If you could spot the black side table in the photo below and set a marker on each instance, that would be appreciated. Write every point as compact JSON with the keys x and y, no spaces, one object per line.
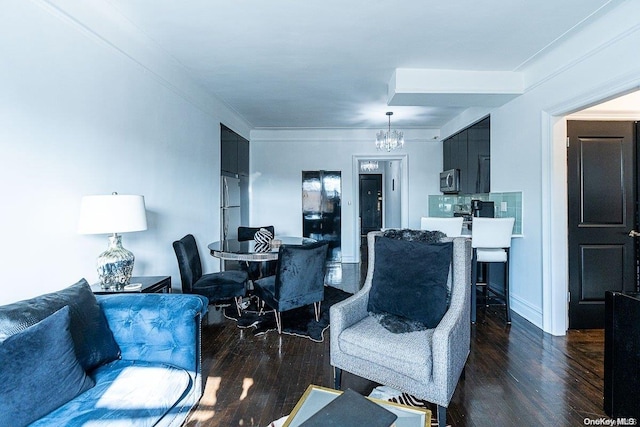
{"x":622,"y":354}
{"x":150,"y":284}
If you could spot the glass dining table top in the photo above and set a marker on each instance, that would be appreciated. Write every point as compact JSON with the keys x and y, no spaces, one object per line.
{"x":250,"y":250}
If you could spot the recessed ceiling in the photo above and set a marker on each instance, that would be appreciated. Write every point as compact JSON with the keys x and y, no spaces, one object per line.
{"x":328,"y":64}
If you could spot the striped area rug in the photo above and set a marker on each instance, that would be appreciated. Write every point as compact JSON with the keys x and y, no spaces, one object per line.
{"x":396,"y":396}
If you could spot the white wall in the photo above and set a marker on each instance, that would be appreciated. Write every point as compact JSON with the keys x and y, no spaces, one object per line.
{"x":278,"y":158}
{"x":78,"y":116}
{"x":392,"y":194}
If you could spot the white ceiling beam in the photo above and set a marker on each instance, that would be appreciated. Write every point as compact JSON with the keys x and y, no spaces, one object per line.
{"x":453,"y":88}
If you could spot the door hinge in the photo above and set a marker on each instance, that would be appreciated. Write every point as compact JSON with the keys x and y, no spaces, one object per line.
{"x":568,"y":143}
{"x":568,"y":296}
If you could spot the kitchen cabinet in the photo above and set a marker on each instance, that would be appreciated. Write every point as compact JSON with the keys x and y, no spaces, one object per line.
{"x":469,"y":151}
{"x":234,"y":153}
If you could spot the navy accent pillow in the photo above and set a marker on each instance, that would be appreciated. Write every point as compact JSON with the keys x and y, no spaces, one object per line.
{"x":410,"y":279}
{"x":92,"y":338}
{"x":40,"y":371}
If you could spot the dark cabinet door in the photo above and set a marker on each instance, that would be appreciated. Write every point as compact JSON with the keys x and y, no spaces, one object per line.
{"x":460,"y":160}
{"x":484,"y":157}
{"x":228,"y":151}
{"x":243,"y":156}
{"x":446,"y":154}
{"x":479,"y":157}
{"x":470,"y":152}
{"x":234,"y":153}
{"x":472,"y":176}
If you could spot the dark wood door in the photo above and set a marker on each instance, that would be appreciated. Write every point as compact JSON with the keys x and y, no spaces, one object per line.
{"x":601,"y":187}
{"x":370,"y":202}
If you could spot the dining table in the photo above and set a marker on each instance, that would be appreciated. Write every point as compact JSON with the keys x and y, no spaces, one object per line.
{"x":253,"y":251}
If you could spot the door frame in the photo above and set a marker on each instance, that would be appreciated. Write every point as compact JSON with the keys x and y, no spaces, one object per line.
{"x":355,"y":182}
{"x":554,"y":203}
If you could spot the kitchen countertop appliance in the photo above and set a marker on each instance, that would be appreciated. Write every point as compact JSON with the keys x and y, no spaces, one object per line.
{"x":450,"y":181}
{"x":481,"y":208}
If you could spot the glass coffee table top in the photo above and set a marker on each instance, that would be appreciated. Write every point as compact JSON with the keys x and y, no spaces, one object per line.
{"x":316,"y":397}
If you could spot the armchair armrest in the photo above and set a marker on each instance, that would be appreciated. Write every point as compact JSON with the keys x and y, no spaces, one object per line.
{"x":157,"y":327}
{"x":345,"y":314}
{"x":453,"y":332}
{"x":348,"y":312}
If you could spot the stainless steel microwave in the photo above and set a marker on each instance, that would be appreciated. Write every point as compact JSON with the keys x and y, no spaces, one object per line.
{"x":450,"y":181}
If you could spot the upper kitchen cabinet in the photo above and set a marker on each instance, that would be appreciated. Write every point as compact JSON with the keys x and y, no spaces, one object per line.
{"x":234,"y":153}
{"x":469,"y":151}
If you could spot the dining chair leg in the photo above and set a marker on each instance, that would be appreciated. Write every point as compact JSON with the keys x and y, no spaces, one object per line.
{"x":278,"y":321}
{"x":238,"y":301}
{"x":316,"y":309}
{"x":261,"y":308}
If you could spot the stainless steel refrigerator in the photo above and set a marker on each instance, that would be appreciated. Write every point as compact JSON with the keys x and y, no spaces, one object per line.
{"x":234,"y":205}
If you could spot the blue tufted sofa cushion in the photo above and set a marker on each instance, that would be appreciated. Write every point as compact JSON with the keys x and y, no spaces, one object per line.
{"x":127,"y":392}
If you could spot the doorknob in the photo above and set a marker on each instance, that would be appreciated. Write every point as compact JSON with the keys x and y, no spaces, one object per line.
{"x":634,"y":233}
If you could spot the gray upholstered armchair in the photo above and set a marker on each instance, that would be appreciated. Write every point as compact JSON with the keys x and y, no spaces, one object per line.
{"x":424,"y":363}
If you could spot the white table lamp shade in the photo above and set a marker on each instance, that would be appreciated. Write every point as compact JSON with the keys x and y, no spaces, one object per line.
{"x":114,"y":213}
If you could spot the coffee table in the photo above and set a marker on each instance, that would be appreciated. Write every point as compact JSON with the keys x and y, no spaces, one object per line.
{"x":316,"y":397}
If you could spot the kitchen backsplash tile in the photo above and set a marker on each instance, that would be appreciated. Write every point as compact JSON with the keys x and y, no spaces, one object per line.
{"x":505,"y":204}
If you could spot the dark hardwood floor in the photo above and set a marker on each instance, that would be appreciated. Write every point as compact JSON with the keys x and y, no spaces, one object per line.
{"x":515,"y":376}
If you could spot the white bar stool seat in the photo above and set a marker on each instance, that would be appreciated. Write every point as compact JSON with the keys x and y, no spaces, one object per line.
{"x":452,"y":227}
{"x":490,"y":242}
{"x":491,"y":255}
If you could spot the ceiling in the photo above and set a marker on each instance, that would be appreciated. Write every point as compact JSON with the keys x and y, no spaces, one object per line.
{"x":329,"y":63}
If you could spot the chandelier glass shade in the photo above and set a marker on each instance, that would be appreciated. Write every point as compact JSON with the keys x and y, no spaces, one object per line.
{"x":388,"y":140}
{"x":369,"y":166}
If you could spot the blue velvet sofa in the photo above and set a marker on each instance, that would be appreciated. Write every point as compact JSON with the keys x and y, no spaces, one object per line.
{"x":74,"y":359}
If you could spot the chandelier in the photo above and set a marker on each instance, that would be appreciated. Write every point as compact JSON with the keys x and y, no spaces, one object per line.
{"x":390,"y":139}
{"x":369,"y":166}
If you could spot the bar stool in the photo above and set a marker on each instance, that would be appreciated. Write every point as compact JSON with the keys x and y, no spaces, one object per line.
{"x":490,"y":242}
{"x":452,"y":227}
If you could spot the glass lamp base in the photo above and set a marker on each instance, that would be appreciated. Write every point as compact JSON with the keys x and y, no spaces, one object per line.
{"x":115,"y":265}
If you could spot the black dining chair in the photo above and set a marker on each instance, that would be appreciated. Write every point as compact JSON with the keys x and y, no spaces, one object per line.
{"x":256,"y":270}
{"x":217,"y":287}
{"x":299,"y":280}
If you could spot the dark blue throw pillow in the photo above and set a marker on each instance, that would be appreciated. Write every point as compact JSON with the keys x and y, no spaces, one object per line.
{"x":92,"y":338}
{"x":410,"y":280}
{"x":40,"y":371}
